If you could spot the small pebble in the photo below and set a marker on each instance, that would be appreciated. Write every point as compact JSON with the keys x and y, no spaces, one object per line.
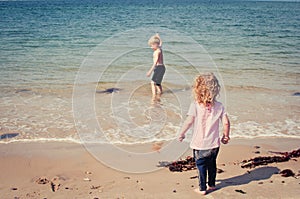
{"x":192,"y":186}
{"x":257,"y":152}
{"x":142,"y":189}
{"x":257,"y":147}
{"x":174,"y":191}
{"x":260,"y":183}
{"x":282,"y":181}
{"x":14,"y":188}
{"x":271,"y":181}
{"x":127,"y":177}
{"x":95,"y":187}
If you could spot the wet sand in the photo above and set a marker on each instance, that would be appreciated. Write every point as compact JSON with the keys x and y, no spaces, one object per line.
{"x":77,"y":174}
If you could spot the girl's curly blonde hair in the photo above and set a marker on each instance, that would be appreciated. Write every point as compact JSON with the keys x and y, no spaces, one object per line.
{"x":206,"y":89}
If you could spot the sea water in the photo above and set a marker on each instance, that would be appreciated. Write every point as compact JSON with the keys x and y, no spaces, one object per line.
{"x":255,"y":46}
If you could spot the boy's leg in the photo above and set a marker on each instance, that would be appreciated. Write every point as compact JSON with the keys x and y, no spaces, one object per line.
{"x":212,"y":168}
{"x":202,"y":169}
{"x":153,"y":88}
{"x":159,"y":89}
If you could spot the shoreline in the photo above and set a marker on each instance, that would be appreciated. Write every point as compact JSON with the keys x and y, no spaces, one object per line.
{"x":80,"y":175}
{"x":75,"y":141}
{"x":56,"y":120}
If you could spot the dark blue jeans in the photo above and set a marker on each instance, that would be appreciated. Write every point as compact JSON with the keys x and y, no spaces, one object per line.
{"x":206,"y":162}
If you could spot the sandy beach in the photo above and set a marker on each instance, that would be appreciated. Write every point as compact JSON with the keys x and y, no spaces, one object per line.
{"x":77,"y":174}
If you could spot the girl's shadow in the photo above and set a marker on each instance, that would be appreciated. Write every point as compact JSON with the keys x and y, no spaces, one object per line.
{"x":262,"y":173}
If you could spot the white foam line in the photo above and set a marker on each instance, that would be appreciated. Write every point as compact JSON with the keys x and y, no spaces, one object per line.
{"x":72,"y":140}
{"x":67,"y":140}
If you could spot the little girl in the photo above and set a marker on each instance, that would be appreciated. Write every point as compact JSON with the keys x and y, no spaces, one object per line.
{"x":205,"y":113}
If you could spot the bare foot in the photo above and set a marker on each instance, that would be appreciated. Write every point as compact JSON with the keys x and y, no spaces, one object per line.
{"x":200,"y":192}
{"x":158,"y":99}
{"x":153,"y":101}
{"x":211,"y":189}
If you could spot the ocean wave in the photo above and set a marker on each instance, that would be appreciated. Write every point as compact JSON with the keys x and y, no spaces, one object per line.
{"x":251,"y":129}
{"x":31,"y":140}
{"x":248,"y":130}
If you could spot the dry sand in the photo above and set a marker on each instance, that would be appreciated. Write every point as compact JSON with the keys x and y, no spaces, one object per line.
{"x":80,"y":175}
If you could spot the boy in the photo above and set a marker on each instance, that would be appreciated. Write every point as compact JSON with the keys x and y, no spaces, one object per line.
{"x":158,"y":67}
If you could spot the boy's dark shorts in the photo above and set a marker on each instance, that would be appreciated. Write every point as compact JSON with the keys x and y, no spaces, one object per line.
{"x":158,"y":74}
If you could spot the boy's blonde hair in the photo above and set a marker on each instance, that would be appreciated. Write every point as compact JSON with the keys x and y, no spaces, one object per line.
{"x":206,"y":89}
{"x":154,"y":40}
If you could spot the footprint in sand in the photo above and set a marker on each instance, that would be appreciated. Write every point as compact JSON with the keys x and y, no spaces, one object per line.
{"x":157,"y":146}
{"x":55,"y":184}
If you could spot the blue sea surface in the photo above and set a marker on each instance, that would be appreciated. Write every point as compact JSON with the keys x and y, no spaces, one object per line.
{"x":46,"y":41}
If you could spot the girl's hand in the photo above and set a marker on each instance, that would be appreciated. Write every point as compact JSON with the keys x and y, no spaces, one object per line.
{"x":181,"y":138}
{"x":225,"y":140}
